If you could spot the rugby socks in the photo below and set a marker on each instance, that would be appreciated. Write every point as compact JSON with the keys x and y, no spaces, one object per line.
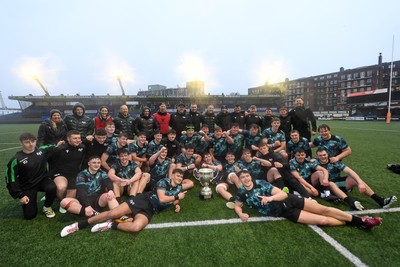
{"x":83,"y":224}
{"x":82,"y":212}
{"x":231,"y":199}
{"x":378,"y":199}
{"x":114,"y":225}
{"x":355,"y":220}
{"x":349,"y":201}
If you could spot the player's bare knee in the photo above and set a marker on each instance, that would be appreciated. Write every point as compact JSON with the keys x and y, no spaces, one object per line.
{"x":187,"y":184}
{"x":135,"y":227}
{"x":220,"y":187}
{"x":232,"y":178}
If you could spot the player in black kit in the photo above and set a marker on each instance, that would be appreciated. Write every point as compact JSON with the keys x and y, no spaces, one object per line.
{"x":27,"y":174}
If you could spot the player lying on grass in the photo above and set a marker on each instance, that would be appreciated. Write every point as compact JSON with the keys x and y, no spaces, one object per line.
{"x":271,"y":201}
{"x":142,"y":207}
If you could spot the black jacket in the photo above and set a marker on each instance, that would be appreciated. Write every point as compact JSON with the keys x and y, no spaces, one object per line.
{"x":125,"y":125}
{"x":147,"y":124}
{"x":238,"y":117}
{"x":252,"y":118}
{"x":196,"y":119}
{"x":302,"y":118}
{"x":209,"y":119}
{"x":223,"y":120}
{"x":49,"y":135}
{"x":82,"y":124}
{"x":178,"y":122}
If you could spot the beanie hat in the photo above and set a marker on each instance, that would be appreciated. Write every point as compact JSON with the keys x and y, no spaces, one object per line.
{"x":54,"y":111}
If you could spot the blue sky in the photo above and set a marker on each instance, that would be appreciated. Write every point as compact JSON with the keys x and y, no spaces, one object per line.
{"x":81,"y":46}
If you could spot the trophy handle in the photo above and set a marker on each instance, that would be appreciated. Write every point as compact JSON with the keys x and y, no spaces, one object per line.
{"x":196,"y":174}
{"x":215,"y":176}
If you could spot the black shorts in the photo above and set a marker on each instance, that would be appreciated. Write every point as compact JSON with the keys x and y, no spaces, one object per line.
{"x":93,"y":200}
{"x":292,"y":207}
{"x":341,"y":183}
{"x":141,"y":204}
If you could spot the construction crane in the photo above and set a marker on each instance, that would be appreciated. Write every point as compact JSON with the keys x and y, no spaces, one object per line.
{"x":46,"y":93}
{"x":120,"y":84}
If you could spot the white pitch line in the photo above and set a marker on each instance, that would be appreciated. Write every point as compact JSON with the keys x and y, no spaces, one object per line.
{"x":211,"y":222}
{"x":9,"y":133}
{"x":364,"y":129}
{"x":341,"y":249}
{"x":357,"y":212}
{"x":251,"y":219}
{"x":11,"y":148}
{"x":336,"y":245}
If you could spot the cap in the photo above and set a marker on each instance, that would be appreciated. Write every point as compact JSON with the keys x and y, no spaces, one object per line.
{"x":224,"y":106}
{"x":189,"y":127}
{"x":181,"y":104}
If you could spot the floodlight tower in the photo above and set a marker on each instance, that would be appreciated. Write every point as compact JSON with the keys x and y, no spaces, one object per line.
{"x":120,"y":84}
{"x":2,"y":105}
{"x":46,"y":93}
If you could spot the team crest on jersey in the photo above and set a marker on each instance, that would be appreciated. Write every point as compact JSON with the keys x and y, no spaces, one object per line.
{"x":39,"y":153}
{"x":80,"y":149}
{"x":24,"y":160}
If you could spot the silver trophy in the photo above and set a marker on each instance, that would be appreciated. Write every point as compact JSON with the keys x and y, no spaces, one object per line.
{"x":205,"y":176}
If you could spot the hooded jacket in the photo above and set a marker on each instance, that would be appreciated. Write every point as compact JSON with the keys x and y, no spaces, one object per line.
{"x":83,"y":123}
{"x":147,"y":124}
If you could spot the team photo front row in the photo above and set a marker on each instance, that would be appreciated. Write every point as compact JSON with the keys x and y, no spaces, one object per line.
{"x":120,"y":183}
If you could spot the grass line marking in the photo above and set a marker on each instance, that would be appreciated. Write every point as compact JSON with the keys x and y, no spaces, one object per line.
{"x":9,"y":133}
{"x":336,"y":245}
{"x":251,"y":219}
{"x":357,"y":212}
{"x":341,"y":249}
{"x":9,"y":144}
{"x":365,"y":129}
{"x":11,"y":148}
{"x":211,"y":222}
